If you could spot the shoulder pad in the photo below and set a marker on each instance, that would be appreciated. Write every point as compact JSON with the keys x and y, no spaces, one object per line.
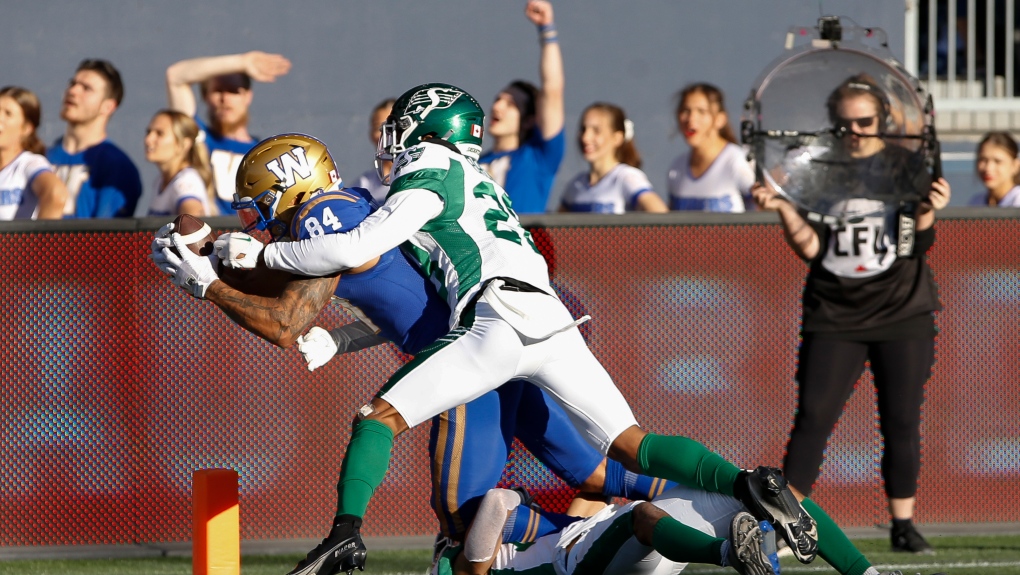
{"x":421,"y":157}
{"x":330,"y":213}
{"x":365,"y":194}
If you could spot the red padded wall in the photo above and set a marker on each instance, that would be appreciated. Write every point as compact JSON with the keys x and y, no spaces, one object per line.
{"x":116,"y":384}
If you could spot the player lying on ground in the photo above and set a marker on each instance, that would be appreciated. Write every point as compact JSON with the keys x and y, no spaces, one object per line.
{"x":398,"y":305}
{"x":620,"y":539}
{"x":624,"y":540}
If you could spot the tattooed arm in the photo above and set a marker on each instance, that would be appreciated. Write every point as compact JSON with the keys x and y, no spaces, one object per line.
{"x":277,"y":315}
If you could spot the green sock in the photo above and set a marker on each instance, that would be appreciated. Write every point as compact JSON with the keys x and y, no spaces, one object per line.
{"x":686,"y":461}
{"x":364,"y":466}
{"x":678,"y":542}
{"x":833,"y":544}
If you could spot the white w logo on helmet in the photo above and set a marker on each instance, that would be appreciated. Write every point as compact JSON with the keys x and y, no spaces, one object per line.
{"x":287,"y":165}
{"x":436,"y":98}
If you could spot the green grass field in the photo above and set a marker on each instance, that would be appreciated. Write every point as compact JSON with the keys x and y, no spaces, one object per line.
{"x":971,"y":555}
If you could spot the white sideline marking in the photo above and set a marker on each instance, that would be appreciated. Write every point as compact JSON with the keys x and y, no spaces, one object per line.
{"x":933,"y":567}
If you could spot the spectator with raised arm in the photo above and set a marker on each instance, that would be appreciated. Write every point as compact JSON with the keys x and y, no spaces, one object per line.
{"x":526,"y":124}
{"x":225,"y":85}
{"x":101,"y":180}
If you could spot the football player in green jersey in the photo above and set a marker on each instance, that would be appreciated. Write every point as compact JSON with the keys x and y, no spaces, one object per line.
{"x":505,"y":323}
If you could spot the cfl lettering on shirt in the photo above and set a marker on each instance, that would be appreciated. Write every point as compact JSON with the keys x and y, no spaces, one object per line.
{"x":859,"y":246}
{"x":854,"y":240}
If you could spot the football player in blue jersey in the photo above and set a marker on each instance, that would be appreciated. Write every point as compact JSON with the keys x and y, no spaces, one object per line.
{"x":505,"y":324}
{"x":288,"y":185}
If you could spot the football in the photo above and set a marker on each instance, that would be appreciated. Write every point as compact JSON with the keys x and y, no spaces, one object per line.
{"x":197,"y":235}
{"x":199,"y":238}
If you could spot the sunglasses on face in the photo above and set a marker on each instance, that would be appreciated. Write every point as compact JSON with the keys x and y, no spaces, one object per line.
{"x":848,"y":123}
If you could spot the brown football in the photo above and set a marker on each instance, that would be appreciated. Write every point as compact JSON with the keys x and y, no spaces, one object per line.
{"x":191,"y":228}
{"x":260,"y":281}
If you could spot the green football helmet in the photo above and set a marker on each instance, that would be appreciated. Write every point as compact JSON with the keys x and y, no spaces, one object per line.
{"x":430,"y":111}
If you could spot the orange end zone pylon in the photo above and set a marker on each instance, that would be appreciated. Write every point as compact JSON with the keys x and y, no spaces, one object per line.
{"x":216,"y":533}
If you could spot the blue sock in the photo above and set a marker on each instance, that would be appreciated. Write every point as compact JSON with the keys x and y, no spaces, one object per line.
{"x":622,"y":483}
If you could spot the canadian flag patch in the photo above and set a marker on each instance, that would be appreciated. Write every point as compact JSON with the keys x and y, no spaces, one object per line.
{"x":476,"y":131}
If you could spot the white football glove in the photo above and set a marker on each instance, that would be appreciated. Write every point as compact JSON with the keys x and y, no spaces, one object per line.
{"x":237,"y":250}
{"x":317,"y":346}
{"x":193,"y":273}
{"x":160,"y":242}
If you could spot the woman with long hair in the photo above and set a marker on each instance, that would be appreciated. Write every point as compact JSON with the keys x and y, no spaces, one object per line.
{"x":714,"y":175}
{"x":869,"y":305}
{"x":29,"y":188}
{"x":614,"y":182}
{"x":184,"y":185}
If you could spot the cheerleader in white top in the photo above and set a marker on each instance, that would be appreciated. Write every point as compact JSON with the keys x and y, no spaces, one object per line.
{"x":28,"y":186}
{"x":614,"y":183}
{"x":184,"y":185}
{"x":999,"y":169}
{"x":714,"y":175}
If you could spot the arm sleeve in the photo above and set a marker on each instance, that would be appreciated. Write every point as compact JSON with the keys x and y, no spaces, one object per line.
{"x":403,"y":214}
{"x":36,"y":165}
{"x":355,"y":336}
{"x":923,"y":241}
{"x":823,"y":231}
{"x":487,"y":528}
{"x":743,"y":172}
{"x":553,"y":150}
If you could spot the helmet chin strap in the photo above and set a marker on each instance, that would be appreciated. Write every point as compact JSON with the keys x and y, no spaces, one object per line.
{"x":277,"y":195}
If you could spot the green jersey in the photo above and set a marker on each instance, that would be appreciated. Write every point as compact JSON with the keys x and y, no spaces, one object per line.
{"x":477,"y":236}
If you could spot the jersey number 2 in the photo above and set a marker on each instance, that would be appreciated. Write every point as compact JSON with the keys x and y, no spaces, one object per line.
{"x":502,"y":214}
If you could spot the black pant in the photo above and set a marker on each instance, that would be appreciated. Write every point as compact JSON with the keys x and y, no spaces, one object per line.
{"x":828,"y":370}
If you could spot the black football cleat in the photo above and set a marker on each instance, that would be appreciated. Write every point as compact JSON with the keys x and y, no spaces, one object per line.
{"x":341,"y":550}
{"x":769,"y":498}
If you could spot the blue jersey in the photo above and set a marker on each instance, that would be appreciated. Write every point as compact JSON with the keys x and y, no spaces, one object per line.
{"x":393,"y":296}
{"x":224,"y":156}
{"x":527,"y":173}
{"x":469,"y":444}
{"x":102,"y":181}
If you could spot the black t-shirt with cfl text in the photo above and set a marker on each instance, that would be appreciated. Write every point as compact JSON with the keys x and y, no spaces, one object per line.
{"x":857,"y":288}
